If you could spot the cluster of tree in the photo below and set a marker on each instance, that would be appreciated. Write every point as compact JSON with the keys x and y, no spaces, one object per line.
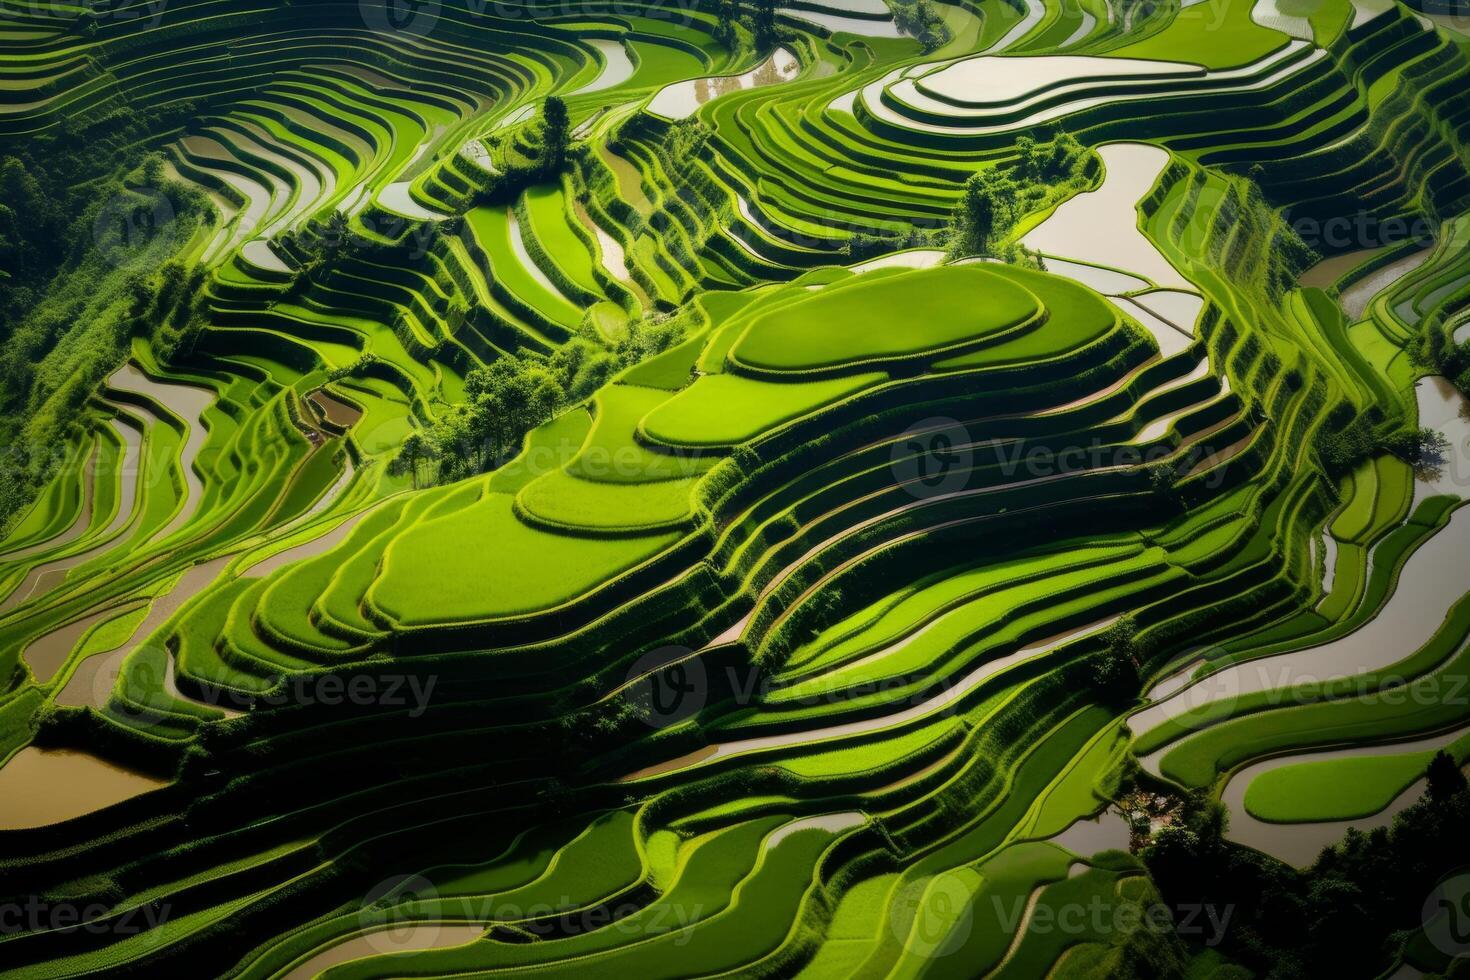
{"x":69,"y":327}
{"x":509,"y":397}
{"x":1115,"y":671}
{"x":171,"y":304}
{"x":556,"y":136}
{"x":1345,"y":447}
{"x":686,"y":139}
{"x":541,"y":159}
{"x":31,"y":228}
{"x":867,"y":246}
{"x":920,"y":20}
{"x":727,"y":16}
{"x":49,"y":181}
{"x":759,"y":22}
{"x":993,"y":200}
{"x":1438,"y":352}
{"x":1349,"y":914}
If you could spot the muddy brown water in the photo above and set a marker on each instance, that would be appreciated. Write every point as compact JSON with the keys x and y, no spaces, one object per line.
{"x":1325,"y":274}
{"x":188,"y":402}
{"x":93,"y":681}
{"x":336,"y":411}
{"x":40,"y":787}
{"x":48,"y":654}
{"x":397,"y":939}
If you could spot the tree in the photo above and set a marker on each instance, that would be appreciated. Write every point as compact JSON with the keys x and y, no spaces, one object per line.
{"x":411,"y":455}
{"x":725,"y":17}
{"x":986,"y":211}
{"x":1062,"y":159}
{"x":555,"y":134}
{"x":335,"y":232}
{"x":919,"y":20}
{"x":763,"y":25}
{"x":974,"y":217}
{"x":152,"y":170}
{"x":1445,"y":780}
{"x":1115,"y":673}
{"x":1027,"y":165}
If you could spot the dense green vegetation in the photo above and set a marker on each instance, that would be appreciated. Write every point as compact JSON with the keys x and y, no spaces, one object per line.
{"x":878,"y":488}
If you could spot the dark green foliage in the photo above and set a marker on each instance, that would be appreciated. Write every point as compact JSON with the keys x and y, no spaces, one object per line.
{"x":555,"y":135}
{"x":994,"y":200}
{"x":1444,"y":778}
{"x":115,"y":281}
{"x":866,"y":246}
{"x":983,"y":210}
{"x":412,"y":456}
{"x":1115,"y":671}
{"x":822,"y":610}
{"x":763,"y":25}
{"x":1422,"y":447}
{"x":687,"y":139}
{"x":31,"y":227}
{"x":726,"y":17}
{"x":511,"y":396}
{"x":919,"y":20}
{"x":524,"y":156}
{"x":1349,"y":914}
{"x":1436,"y":352}
{"x":176,"y":310}
{"x":49,"y":183}
{"x":1343,"y":448}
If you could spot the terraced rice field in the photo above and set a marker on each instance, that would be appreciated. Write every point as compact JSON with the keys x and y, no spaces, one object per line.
{"x":857,"y":488}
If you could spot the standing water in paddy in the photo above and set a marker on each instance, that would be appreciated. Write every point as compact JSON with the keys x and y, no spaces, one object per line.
{"x":731,"y":489}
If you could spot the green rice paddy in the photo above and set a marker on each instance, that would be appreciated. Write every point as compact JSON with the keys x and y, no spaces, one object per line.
{"x":457,"y":520}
